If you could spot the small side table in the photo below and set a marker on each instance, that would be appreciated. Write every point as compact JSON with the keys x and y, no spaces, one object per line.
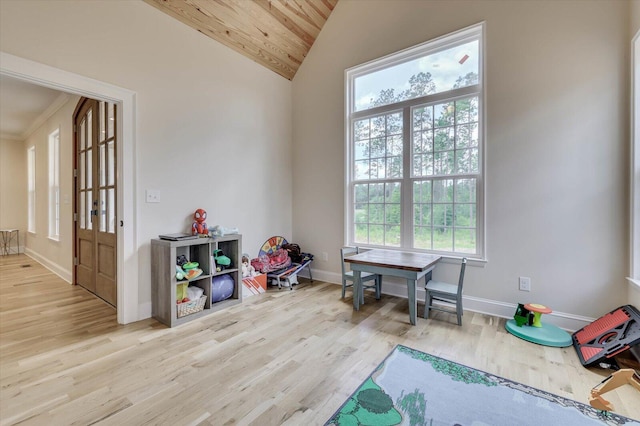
{"x":7,"y":237}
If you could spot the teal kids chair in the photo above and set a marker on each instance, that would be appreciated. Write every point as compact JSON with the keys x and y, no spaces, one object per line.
{"x":445,"y":292}
{"x":347,"y":276}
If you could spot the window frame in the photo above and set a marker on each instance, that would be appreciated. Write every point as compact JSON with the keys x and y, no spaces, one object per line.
{"x":474,"y":32}
{"x":31,"y":189}
{"x":54,"y":184}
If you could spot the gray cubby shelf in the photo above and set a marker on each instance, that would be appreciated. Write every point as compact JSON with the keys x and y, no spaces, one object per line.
{"x":163,"y":274}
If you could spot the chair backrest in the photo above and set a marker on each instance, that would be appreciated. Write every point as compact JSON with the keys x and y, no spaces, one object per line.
{"x":344,"y":252}
{"x":461,"y":279}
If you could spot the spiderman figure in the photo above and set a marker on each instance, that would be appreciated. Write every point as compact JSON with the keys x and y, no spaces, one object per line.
{"x":199,"y":227}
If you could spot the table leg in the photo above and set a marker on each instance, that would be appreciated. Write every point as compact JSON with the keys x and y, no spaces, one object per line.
{"x":5,"y":236}
{"x":413,"y":302}
{"x":357,"y":289}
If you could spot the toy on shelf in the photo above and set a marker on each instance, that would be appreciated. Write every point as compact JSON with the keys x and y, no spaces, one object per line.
{"x":222,"y":288}
{"x":526,"y":324}
{"x":222,"y":261}
{"x":221,"y":231}
{"x":179,"y":273}
{"x":615,"y":380}
{"x":186,"y":270}
{"x":199,"y":227}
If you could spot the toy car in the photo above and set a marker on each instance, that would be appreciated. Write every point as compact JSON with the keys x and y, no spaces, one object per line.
{"x":221,"y":260}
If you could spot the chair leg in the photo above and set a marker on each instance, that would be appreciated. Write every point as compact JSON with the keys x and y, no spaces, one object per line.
{"x":459,"y":313}
{"x":427,"y":305}
{"x":344,"y":287}
{"x":378,"y":286}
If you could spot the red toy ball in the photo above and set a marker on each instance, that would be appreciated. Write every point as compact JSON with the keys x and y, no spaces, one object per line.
{"x":199,"y":227}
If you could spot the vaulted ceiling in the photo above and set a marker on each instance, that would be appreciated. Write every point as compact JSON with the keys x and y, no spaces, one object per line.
{"x":275,"y":33}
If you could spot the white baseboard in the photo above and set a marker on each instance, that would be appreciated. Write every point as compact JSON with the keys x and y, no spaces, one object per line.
{"x":390,"y":286}
{"x":63,"y":273}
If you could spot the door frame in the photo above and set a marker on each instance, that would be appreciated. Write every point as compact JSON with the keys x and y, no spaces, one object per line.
{"x":55,"y":78}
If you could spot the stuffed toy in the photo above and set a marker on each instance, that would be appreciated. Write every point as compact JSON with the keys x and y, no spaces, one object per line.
{"x":199,"y":227}
{"x":247,"y":269}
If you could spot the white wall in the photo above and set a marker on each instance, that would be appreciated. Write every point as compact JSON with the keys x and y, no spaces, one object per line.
{"x":213,"y":128}
{"x":634,"y":16}
{"x":57,"y":255}
{"x":556,"y":146}
{"x":13,"y":187}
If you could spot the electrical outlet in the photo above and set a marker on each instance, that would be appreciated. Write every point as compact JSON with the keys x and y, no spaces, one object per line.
{"x":525,"y":284}
{"x":153,"y":196}
{"x":325,"y":256}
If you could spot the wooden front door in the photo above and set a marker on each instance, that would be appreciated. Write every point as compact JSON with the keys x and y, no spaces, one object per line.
{"x":95,"y":198}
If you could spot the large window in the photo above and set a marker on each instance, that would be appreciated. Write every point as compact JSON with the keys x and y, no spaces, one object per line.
{"x":31,"y":189}
{"x":54,"y":185}
{"x":415,"y":148}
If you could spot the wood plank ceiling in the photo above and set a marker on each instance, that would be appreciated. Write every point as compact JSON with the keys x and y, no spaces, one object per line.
{"x":275,"y":33}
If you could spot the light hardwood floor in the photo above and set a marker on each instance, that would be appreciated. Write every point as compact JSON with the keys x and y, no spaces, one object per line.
{"x":285,"y":357}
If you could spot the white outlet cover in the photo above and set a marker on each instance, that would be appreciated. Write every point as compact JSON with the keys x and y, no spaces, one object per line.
{"x":153,"y":196}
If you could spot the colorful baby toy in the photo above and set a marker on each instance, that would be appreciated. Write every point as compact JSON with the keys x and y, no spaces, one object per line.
{"x":199,"y":227}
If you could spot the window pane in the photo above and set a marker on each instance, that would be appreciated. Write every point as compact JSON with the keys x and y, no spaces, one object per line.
{"x":361,"y":213}
{"x":392,"y":192}
{"x":111,"y":118}
{"x":88,"y":207}
{"x":392,"y":214}
{"x":89,"y":160}
{"x":376,"y":213}
{"x":392,"y":236}
{"x":89,"y":128}
{"x":465,"y":215}
{"x":83,"y":211}
{"x":362,"y":234}
{"x":101,"y":113}
{"x":361,"y":150}
{"x":442,"y":216}
{"x":103,"y":163}
{"x":378,"y":147}
{"x":465,"y":240}
{"x":376,"y":234}
{"x":422,"y":238}
{"x":102,"y":210}
{"x":422,"y":191}
{"x":111,"y":210}
{"x":111,"y":162}
{"x":82,"y":177}
{"x":82,"y":134}
{"x":465,"y":190}
{"x":443,"y":190}
{"x":443,"y":238}
{"x":362,"y":193}
{"x":443,"y":139}
{"x":422,"y":214}
{"x":423,"y":118}
{"x":466,"y":161}
{"x":361,"y":170}
{"x":394,"y":167}
{"x":440,"y":71}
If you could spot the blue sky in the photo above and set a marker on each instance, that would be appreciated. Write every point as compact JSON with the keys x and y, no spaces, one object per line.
{"x":444,"y":66}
